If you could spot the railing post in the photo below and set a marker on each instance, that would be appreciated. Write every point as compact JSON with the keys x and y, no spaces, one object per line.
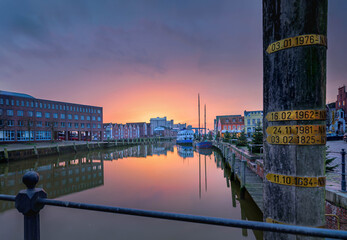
{"x":243,"y":178}
{"x":25,"y":203}
{"x":343,"y":174}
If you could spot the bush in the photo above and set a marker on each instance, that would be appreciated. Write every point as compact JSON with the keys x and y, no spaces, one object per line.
{"x":242,"y":140}
{"x":257,"y":138}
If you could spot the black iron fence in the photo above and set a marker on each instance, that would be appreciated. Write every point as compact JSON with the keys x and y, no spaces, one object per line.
{"x":31,"y":200}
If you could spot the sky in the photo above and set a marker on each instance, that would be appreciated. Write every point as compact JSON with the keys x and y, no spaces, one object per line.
{"x":144,"y":59}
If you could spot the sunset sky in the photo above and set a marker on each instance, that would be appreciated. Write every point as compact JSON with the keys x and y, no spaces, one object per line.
{"x":143,"y":59}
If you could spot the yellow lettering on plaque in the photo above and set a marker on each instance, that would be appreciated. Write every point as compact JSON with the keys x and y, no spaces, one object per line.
{"x":296,"y":129}
{"x":299,"y":139}
{"x":296,"y":181}
{"x":302,"y":40}
{"x":294,"y":115}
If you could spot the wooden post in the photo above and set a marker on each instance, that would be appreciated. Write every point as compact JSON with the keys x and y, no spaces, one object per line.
{"x":294,"y":60}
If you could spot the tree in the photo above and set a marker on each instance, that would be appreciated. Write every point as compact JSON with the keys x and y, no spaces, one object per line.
{"x":242,"y":140}
{"x":210,"y":136}
{"x":234,"y":135}
{"x":257,"y":138}
{"x":218,"y":135}
{"x":226,"y":137}
{"x":329,"y":161}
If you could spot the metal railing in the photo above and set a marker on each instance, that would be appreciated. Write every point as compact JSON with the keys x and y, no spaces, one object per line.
{"x":31,"y":200}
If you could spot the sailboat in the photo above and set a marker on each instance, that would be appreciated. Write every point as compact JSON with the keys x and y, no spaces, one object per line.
{"x":202,"y":144}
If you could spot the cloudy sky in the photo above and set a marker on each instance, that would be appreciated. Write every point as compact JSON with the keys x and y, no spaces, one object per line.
{"x":142,"y":59}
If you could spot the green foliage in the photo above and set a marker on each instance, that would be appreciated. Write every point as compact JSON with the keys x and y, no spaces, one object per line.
{"x":227,"y":136}
{"x":329,"y":160}
{"x":257,"y":138}
{"x":242,"y":140}
{"x":234,"y":136}
{"x":209,"y":136}
{"x":218,"y":135}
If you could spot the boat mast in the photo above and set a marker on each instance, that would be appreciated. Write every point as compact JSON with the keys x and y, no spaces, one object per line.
{"x":199,"y":114}
{"x":205,"y":120}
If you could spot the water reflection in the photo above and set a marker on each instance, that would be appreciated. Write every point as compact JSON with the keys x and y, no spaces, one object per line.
{"x":120,"y":177}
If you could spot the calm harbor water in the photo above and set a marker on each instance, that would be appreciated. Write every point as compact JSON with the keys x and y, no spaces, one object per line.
{"x":161,"y":177}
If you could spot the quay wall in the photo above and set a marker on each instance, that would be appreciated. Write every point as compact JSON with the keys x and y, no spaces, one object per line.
{"x":335,"y":204}
{"x":56,"y":149}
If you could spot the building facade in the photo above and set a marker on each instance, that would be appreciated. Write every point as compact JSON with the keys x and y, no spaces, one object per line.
{"x":229,"y":123}
{"x":341,"y":109}
{"x":24,"y":118}
{"x":252,"y":119}
{"x":126,"y":131}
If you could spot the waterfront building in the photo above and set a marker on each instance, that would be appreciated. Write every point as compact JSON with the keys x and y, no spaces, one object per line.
{"x":126,"y":131}
{"x":252,"y":119}
{"x":25,"y":118}
{"x":341,"y":108}
{"x":229,"y":123}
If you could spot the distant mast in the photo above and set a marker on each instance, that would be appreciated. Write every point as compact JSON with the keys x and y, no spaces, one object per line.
{"x":205,"y":120}
{"x":199,"y":114}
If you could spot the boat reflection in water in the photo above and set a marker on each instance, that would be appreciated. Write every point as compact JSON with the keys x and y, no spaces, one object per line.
{"x":185,"y":151}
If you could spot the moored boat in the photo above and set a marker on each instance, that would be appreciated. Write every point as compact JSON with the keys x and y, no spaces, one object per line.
{"x":185,"y":136}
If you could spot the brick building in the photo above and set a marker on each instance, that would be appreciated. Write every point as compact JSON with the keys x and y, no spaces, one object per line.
{"x":25,"y":118}
{"x":126,"y":131}
{"x":229,"y":123}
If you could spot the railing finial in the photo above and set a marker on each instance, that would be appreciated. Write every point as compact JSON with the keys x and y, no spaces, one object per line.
{"x":30,"y":179}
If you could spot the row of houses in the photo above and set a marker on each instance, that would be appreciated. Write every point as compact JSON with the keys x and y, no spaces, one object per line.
{"x":336,"y":118}
{"x":237,"y":123}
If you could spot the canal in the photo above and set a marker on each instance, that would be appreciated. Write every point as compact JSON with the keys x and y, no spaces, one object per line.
{"x":160,"y":177}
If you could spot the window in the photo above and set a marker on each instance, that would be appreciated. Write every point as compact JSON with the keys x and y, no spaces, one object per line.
{"x":88,"y":125}
{"x":253,"y":121}
{"x":9,"y":112}
{"x":7,"y":135}
{"x":69,"y":116}
{"x":69,"y":124}
{"x":99,"y":125}
{"x":43,"y":135}
{"x":28,"y":104}
{"x":47,"y":115}
{"x":32,"y":104}
{"x":45,"y":105}
{"x":25,"y":136}
{"x":62,"y":124}
{"x":12,"y":102}
{"x":248,"y":121}
{"x":93,"y":118}
{"x":0,"y":111}
{"x":76,"y":125}
{"x":1,"y":101}
{"x":17,"y":103}
{"x":99,"y":111}
{"x":40,"y":105}
{"x":55,"y":115}
{"x":10,"y":123}
{"x":64,"y":107}
{"x":76,"y":117}
{"x":39,"y":114}
{"x":88,"y":118}
{"x":82,"y":125}
{"x":94,"y":126}
{"x":47,"y":124}
{"x":62,"y":116}
{"x":38,"y":124}
{"x":99,"y":119}
{"x":30,"y":114}
{"x":22,"y":103}
{"x":49,"y":106}
{"x":82,"y":117}
{"x":52,"y":106}
{"x":20,"y":123}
